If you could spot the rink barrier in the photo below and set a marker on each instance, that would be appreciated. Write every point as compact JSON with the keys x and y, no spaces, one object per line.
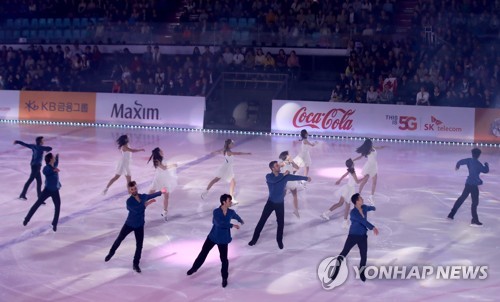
{"x":397,"y":122}
{"x":103,"y":108}
{"x":240,"y":132}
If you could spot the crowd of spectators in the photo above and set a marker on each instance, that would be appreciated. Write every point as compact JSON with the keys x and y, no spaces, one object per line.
{"x":52,"y":68}
{"x":193,"y":75}
{"x":457,"y":65}
{"x":114,"y":10}
{"x":294,"y":22}
{"x":151,"y":72}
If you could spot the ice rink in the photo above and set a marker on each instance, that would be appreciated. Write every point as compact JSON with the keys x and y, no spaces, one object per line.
{"x":417,"y":186}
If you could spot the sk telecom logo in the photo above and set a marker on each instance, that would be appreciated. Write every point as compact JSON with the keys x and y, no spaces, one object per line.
{"x":435,"y":121}
{"x":333,"y":272}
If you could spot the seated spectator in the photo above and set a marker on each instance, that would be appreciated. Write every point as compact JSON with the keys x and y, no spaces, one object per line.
{"x":336,"y":95}
{"x":422,"y":97}
{"x":372,"y":95}
{"x":249,"y":59}
{"x":293,"y":64}
{"x":387,"y":96}
{"x":436,"y":97}
{"x":260,"y":59}
{"x":238,"y":59}
{"x":269,"y":63}
{"x":281,"y":60}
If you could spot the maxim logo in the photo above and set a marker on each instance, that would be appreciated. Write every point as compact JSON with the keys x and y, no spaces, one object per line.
{"x":137,"y":112}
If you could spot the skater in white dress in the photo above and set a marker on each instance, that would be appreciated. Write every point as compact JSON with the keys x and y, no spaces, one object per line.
{"x":370,"y":169}
{"x":304,"y":157}
{"x":346,"y":192}
{"x":225,"y":172}
{"x":165,"y":177}
{"x":123,"y":166}
{"x":287,"y":164}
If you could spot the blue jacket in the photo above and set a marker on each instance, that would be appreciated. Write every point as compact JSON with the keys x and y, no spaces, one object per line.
{"x":51,"y":176}
{"x":277,"y":184}
{"x":36,"y":158}
{"x":359,"y":224}
{"x":220,"y":232}
{"x":136,"y":209}
{"x":475,"y":168}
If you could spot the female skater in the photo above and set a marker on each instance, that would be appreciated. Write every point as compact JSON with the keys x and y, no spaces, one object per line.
{"x":226,"y":172}
{"x":370,"y":169}
{"x":346,"y":191}
{"x":123,"y":167}
{"x":165,"y":177}
{"x":304,"y":157}
{"x":287,"y":164}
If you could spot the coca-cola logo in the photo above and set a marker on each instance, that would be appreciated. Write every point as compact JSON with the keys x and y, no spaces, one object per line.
{"x":335,"y":119}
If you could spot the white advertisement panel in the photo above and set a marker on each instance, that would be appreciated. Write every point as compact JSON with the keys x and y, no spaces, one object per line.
{"x":366,"y":120}
{"x":9,"y":105}
{"x":152,"y":110}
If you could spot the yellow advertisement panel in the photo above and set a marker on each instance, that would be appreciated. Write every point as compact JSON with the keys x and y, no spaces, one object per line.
{"x":57,"y":106}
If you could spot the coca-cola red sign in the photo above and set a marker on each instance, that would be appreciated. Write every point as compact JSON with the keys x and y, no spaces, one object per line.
{"x":335,"y":119}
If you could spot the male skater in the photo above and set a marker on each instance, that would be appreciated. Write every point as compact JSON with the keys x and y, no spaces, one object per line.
{"x":276,"y":183}
{"x":471,"y":185}
{"x":136,"y":206}
{"x":36,"y":165}
{"x":52,"y":186}
{"x":357,"y":234}
{"x":220,"y":235}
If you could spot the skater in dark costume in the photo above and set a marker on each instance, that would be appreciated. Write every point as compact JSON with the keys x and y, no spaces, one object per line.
{"x":36,"y":165}
{"x":471,"y":185}
{"x":220,"y":235}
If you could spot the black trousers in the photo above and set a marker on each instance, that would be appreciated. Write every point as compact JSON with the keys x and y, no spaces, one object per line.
{"x":279,"y":209}
{"x":362,"y":242}
{"x":35,"y":174}
{"x":474,"y":192}
{"x":207,"y":246}
{"x":43,"y":196}
{"x":139,"y":240}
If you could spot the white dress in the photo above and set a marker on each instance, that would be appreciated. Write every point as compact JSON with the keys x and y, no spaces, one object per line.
{"x":304,"y":157}
{"x":123,"y":166}
{"x":225,"y":171}
{"x":290,"y":185}
{"x":164,"y":179}
{"x":348,"y":189}
{"x":371,"y":166}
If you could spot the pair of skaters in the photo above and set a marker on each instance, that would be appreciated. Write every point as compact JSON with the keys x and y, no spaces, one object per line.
{"x":219,"y":235}
{"x":165,"y":176}
{"x":370,"y":169}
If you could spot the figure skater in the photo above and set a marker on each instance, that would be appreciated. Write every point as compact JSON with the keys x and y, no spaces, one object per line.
{"x":52,"y":186}
{"x":304,"y":157}
{"x":36,"y":165}
{"x":276,"y":183}
{"x":346,"y":191}
{"x":123,"y":167}
{"x":370,"y":169}
{"x":471,"y":185}
{"x":357,"y":234}
{"x":165,"y":177}
{"x":136,"y":206}
{"x":219,"y":235}
{"x":226,"y":172}
{"x":287,"y":164}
